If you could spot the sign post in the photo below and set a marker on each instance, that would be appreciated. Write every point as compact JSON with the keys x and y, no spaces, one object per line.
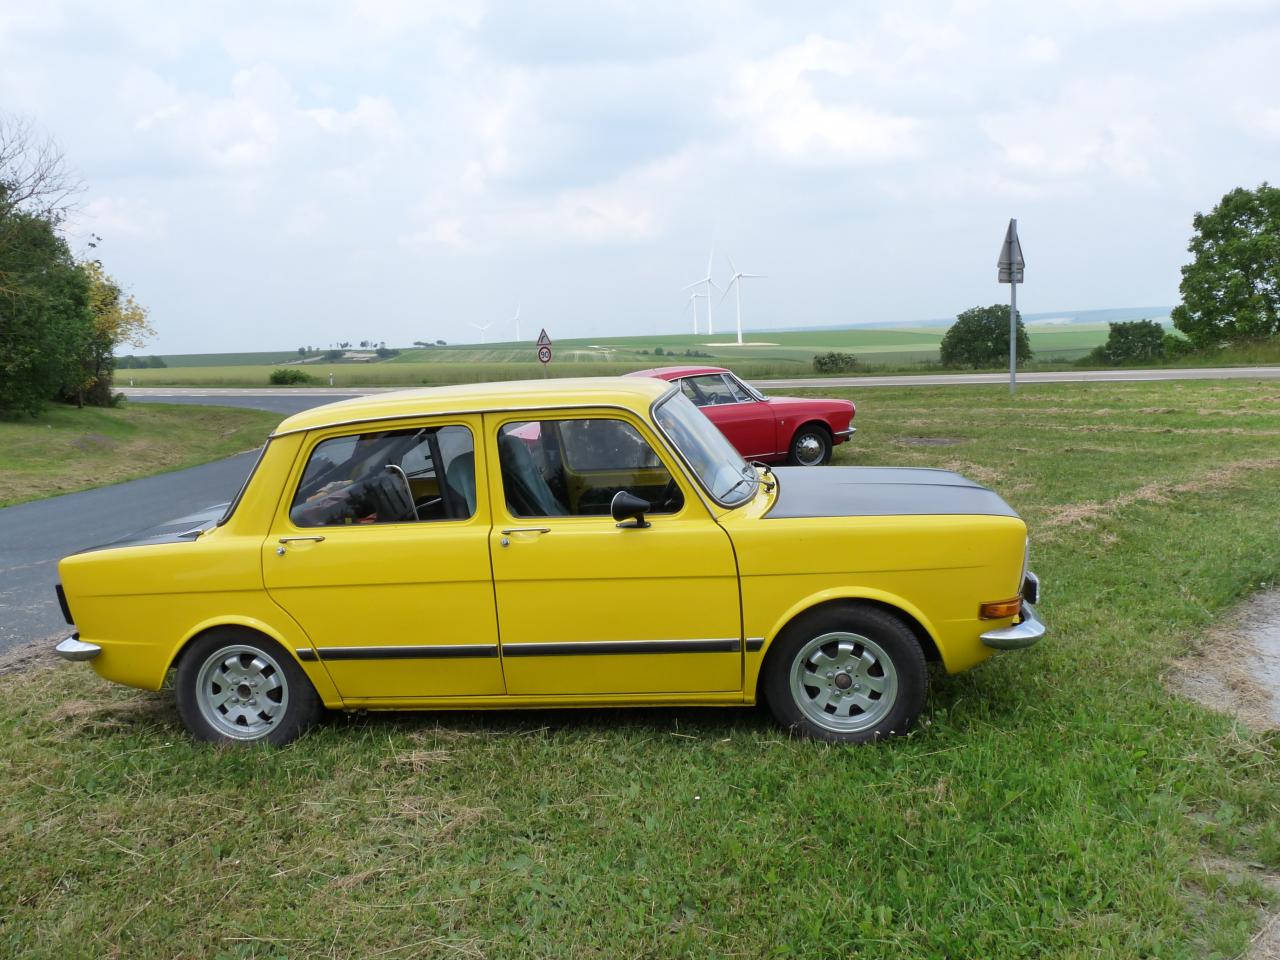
{"x":1010,"y":268}
{"x":544,"y":351}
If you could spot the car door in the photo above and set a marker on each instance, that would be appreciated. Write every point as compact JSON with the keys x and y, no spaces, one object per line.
{"x":745,"y":421}
{"x":587,"y":606}
{"x":380,"y":551}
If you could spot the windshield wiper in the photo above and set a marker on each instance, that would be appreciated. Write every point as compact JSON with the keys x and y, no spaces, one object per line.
{"x":772,"y":481}
{"x":750,"y":477}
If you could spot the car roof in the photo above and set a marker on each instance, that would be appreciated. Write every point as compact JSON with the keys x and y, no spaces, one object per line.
{"x":674,"y":373}
{"x":632,"y":394}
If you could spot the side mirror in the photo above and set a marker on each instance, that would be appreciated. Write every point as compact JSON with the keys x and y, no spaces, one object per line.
{"x":627,"y":506}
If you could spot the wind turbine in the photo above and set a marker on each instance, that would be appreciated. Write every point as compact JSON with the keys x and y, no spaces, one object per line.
{"x":693,"y":299}
{"x":711,"y":325}
{"x":735,"y":281}
{"x":516,"y":318}
{"x":482,"y":327}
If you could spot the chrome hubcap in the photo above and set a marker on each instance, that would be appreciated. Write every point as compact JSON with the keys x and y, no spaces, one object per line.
{"x":809,"y":450}
{"x":242,"y":692}
{"x":844,"y":682}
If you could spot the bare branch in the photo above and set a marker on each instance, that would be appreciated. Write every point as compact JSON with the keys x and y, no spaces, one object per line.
{"x":34,"y":177}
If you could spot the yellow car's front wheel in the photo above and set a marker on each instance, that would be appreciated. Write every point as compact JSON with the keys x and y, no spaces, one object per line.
{"x":848,"y":674}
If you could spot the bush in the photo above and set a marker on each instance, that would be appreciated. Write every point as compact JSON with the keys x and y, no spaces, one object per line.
{"x":834,"y":362}
{"x":285,"y":376}
{"x":1137,"y":341}
{"x":1176,"y":346}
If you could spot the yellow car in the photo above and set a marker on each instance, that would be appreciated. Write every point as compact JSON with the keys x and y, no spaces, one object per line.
{"x":553,"y":544}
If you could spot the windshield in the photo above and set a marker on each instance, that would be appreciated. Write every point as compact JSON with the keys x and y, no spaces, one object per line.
{"x":718,"y":465}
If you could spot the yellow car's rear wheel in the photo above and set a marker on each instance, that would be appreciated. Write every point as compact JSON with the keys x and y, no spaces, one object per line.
{"x":237,"y":686}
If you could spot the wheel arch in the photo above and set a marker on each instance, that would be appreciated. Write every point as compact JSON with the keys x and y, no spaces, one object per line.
{"x":314,"y":670}
{"x":911,"y":616}
{"x":812,"y":421}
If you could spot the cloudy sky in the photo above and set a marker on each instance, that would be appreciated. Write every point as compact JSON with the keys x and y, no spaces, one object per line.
{"x":269,"y":174}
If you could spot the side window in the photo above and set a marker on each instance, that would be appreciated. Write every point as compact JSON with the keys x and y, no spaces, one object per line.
{"x":739,"y":392}
{"x":563,"y":468}
{"x":393,"y":476}
{"x":707,"y":390}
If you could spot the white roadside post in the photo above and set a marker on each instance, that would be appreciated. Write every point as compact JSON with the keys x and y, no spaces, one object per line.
{"x":1010,"y":268}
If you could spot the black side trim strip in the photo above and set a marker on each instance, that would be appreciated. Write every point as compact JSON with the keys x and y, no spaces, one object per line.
{"x":436,"y":652}
{"x":594,"y":648}
{"x":306,"y":654}
{"x":754,"y":644}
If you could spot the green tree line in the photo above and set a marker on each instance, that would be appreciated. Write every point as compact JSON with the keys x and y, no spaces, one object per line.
{"x":61,"y":319}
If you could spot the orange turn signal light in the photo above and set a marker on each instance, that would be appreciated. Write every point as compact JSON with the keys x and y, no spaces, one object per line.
{"x":999,"y":609}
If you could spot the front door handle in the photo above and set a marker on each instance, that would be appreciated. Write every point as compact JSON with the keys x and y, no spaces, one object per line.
{"x":283,"y":540}
{"x":505,"y":540}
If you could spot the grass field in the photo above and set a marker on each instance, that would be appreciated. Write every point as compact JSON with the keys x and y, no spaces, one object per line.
{"x":66,"y":449}
{"x":1054,"y":803}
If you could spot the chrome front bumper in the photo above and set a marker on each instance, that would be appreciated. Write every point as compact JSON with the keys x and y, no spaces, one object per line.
{"x":73,"y":648}
{"x":1023,"y":634}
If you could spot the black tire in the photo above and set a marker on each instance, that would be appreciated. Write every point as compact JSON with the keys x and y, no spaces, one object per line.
{"x":269,"y":698}
{"x":872,"y":649}
{"x":810,"y":446}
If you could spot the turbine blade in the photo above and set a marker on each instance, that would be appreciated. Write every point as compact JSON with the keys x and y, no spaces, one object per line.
{"x":728,"y":287}
{"x":695,"y":283}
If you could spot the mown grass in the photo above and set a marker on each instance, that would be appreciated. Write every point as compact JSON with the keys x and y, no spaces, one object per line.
{"x":66,"y":449}
{"x":1054,"y":803}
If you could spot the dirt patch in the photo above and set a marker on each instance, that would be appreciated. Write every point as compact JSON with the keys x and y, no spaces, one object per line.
{"x":93,"y":442}
{"x":30,"y":654}
{"x":1084,"y":514}
{"x":1237,"y":668}
{"x":928,"y":441}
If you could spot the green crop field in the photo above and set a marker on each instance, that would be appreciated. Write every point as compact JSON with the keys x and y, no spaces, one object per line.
{"x":1059,"y":802}
{"x":775,"y":355}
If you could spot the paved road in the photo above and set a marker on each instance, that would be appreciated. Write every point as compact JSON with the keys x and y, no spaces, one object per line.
{"x":34,"y":536}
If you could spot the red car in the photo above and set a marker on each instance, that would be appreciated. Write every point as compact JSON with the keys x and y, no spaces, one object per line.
{"x":799,"y":431}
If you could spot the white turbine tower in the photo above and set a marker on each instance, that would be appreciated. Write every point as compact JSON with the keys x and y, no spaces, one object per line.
{"x":711,"y":324}
{"x":516,"y":318}
{"x":482,"y":327}
{"x":735,"y":283}
{"x":693,"y":299}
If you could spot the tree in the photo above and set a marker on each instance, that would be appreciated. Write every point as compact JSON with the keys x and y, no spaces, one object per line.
{"x":1231,"y":289}
{"x":44,"y":313}
{"x":116,"y":319}
{"x":980,"y":338}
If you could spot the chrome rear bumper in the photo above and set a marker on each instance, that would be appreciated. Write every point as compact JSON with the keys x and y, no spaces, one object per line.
{"x":73,"y":648}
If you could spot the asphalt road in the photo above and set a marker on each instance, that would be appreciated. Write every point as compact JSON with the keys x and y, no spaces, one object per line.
{"x":34,"y":536}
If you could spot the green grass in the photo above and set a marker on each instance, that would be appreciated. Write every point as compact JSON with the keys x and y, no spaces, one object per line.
{"x":67,"y":449}
{"x":1054,"y":803}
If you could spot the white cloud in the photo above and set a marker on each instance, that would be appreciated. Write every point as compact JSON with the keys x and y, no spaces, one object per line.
{"x":781,"y":111}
